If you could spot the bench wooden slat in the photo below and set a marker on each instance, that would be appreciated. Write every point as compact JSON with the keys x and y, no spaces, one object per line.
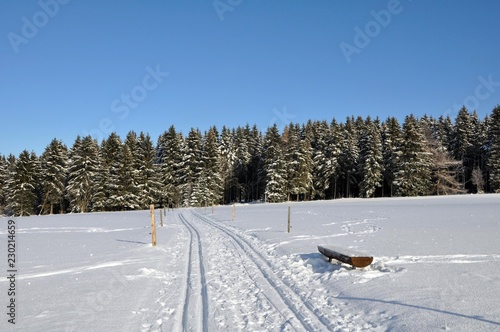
{"x":346,"y":256}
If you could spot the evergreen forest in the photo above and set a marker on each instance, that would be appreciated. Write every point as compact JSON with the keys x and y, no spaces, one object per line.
{"x":360,"y":157}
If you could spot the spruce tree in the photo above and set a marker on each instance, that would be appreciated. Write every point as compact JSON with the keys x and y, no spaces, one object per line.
{"x":274,"y":167}
{"x":212,"y":168}
{"x":3,"y":183}
{"x":494,"y":157}
{"x":110,"y":192}
{"x":54,"y":163}
{"x":298,"y":159}
{"x":391,"y":143}
{"x":23,"y":185}
{"x":370,"y":159}
{"x":83,"y":170}
{"x":255,"y":165}
{"x":169,"y":157}
{"x":129,"y":173}
{"x":191,"y":168}
{"x":413,"y":169}
{"x":148,"y":179}
{"x":348,"y":158}
{"x":228,"y":157}
{"x":324,"y":158}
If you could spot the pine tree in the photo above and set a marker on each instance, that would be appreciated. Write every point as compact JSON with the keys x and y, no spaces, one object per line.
{"x":370,"y":160}
{"x":82,"y":173}
{"x":54,"y":163}
{"x":23,"y":185}
{"x":494,"y":157}
{"x":274,"y":166}
{"x":413,"y":173}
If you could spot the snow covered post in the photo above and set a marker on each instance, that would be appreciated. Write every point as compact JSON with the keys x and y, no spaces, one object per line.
{"x":153,"y":226}
{"x":289,"y":226}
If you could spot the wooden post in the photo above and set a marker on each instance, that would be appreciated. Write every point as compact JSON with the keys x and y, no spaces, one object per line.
{"x":289,"y":226}
{"x":233,"y":212}
{"x":161,"y":219}
{"x":212,"y":209}
{"x":164,"y":211}
{"x":153,"y":226}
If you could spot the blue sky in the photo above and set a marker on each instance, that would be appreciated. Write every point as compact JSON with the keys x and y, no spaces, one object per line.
{"x":73,"y":67}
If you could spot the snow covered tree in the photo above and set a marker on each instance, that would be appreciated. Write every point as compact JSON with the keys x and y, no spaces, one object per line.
{"x":83,"y":170}
{"x":148,"y":179}
{"x":413,"y":170}
{"x":109,"y":194}
{"x":444,"y":168}
{"x":255,"y":180}
{"x":370,"y":159}
{"x":169,"y":157}
{"x":274,"y":166}
{"x":129,"y":173}
{"x":228,"y":158}
{"x":54,"y":162}
{"x":23,"y":185}
{"x":494,"y":157}
{"x":191,"y":168}
{"x":212,"y":168}
{"x":298,"y":160}
{"x":324,"y":157}
{"x":348,"y":158}
{"x":391,"y":142}
{"x":3,"y":183}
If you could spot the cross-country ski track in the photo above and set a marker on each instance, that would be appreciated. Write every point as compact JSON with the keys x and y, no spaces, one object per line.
{"x":239,"y":277}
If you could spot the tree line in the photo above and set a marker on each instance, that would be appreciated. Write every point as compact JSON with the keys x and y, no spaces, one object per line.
{"x":360,"y":157}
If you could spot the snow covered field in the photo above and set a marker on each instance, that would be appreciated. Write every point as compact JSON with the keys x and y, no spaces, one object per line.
{"x":436,"y":267}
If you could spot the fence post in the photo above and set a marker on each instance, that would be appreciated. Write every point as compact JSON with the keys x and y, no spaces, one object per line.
{"x":153,"y":226}
{"x":289,"y":226}
{"x":161,"y":219}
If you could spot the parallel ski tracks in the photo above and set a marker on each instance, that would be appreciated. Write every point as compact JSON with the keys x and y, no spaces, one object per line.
{"x":196,"y":296}
{"x":306,"y":314}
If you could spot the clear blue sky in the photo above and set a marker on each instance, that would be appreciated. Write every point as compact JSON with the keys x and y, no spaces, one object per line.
{"x":86,"y":66}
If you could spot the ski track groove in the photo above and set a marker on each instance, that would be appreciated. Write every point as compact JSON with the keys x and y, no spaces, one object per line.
{"x":284,"y":290}
{"x":193,"y":233}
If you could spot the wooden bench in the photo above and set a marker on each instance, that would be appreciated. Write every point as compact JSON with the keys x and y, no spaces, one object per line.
{"x":347,"y":256}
